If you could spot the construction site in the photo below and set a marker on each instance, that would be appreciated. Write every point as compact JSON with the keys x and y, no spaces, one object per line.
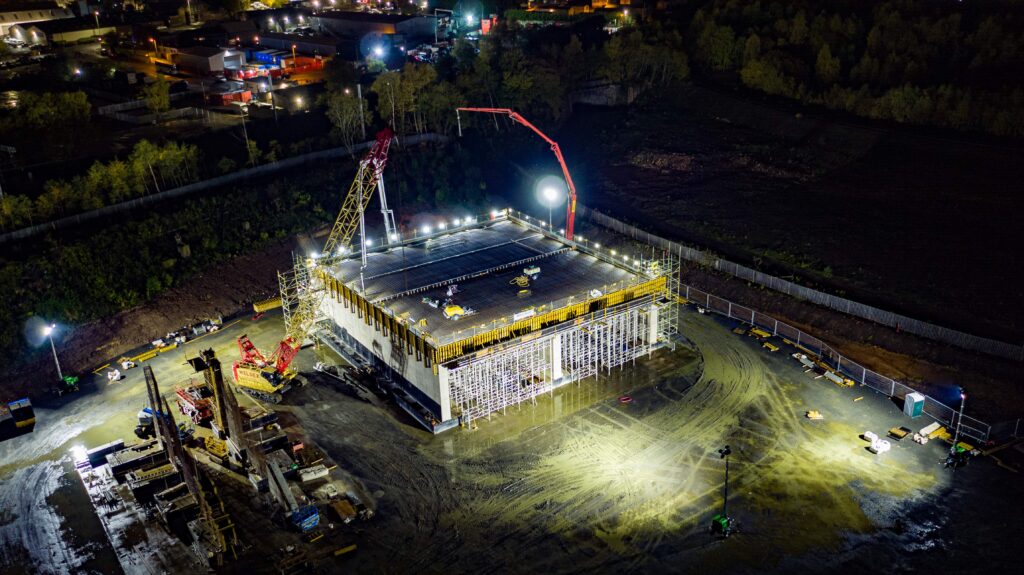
{"x":473,"y":316}
{"x":489,"y":390}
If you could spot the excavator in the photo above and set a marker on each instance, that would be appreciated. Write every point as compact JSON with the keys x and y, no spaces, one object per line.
{"x":267,"y":378}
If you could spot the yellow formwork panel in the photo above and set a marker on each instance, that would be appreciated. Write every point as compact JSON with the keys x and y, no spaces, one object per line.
{"x":266,"y":305}
{"x":455,"y":349}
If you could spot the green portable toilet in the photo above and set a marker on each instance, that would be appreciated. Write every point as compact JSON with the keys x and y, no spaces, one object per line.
{"x":913,"y":405}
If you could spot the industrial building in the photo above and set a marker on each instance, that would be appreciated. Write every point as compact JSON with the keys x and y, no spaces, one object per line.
{"x":359,"y":24}
{"x":470,"y":320}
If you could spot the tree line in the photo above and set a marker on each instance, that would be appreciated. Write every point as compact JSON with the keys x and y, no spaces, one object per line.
{"x":505,"y":70}
{"x":926,"y":63}
{"x":44,"y":110}
{"x":148,"y":168}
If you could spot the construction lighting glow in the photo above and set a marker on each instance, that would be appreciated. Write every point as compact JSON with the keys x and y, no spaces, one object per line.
{"x":426,"y":229}
{"x":368,"y":243}
{"x":315,"y":255}
{"x":613,"y":252}
{"x":469,"y":18}
{"x":393,"y":237}
{"x":441,"y":226}
{"x":550,"y":194}
{"x":378,"y":51}
{"x":597,"y":246}
{"x":494,"y":213}
{"x":48,"y":330}
{"x":456,"y":222}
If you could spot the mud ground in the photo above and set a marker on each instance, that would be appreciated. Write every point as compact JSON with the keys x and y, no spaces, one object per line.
{"x":911,"y":222}
{"x":579,"y":482}
{"x":583,"y":483}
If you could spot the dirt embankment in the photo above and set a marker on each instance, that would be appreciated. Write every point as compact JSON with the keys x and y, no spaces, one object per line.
{"x":221,"y":290}
{"x":931,"y":367}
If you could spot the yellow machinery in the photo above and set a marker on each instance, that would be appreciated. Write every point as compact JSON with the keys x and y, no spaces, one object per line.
{"x":266,"y":378}
{"x":300,"y":321}
{"x":454,"y":312}
{"x":263,"y":383}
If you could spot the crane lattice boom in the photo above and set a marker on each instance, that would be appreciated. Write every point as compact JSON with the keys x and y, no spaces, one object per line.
{"x":345,"y":226}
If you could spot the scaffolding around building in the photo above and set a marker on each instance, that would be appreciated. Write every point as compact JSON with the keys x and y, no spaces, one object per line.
{"x":598,"y":309}
{"x":519,"y":371}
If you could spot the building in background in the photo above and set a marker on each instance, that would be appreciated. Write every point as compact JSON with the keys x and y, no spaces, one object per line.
{"x":21,"y":13}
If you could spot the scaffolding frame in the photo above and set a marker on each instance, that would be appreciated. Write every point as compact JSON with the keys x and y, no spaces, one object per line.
{"x":668,"y":313}
{"x":512,"y":373}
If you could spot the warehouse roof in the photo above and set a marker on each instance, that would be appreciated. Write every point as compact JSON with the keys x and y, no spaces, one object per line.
{"x":482,"y":260}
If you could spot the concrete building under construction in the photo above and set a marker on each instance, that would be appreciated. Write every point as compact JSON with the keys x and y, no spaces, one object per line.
{"x":470,"y":320}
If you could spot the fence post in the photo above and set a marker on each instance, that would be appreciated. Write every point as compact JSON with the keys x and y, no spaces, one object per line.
{"x":708,"y":304}
{"x":776,"y":330}
{"x":893,"y":392}
{"x":730,"y":310}
{"x":1015,"y":428}
{"x":798,"y":332}
{"x":864,"y":375}
{"x":839,"y":362}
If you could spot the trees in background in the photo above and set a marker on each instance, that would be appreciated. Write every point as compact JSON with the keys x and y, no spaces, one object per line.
{"x":157,"y":96}
{"x":148,"y":169}
{"x":44,"y":110}
{"x":919,"y":63}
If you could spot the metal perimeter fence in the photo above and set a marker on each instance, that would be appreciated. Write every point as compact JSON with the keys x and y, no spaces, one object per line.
{"x":870,"y":313}
{"x":938,"y":411}
{"x":969,"y":426}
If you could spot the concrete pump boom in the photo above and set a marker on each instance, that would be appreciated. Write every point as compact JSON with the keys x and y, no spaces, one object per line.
{"x":570,"y":215}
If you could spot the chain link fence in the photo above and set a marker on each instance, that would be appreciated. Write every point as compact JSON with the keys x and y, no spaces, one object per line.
{"x":944,"y":414}
{"x":969,"y":426}
{"x":888,"y":318}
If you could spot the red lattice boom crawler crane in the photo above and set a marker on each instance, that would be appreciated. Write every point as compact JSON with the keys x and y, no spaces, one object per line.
{"x":570,"y":214}
{"x":267,"y":378}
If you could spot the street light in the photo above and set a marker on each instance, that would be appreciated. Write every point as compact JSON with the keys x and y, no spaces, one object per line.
{"x":550,"y":197}
{"x":293,"y":55}
{"x":722,"y":522}
{"x":48,"y":332}
{"x":156,"y":46}
{"x":959,"y":420}
{"x":96,"y":15}
{"x":378,"y":51}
